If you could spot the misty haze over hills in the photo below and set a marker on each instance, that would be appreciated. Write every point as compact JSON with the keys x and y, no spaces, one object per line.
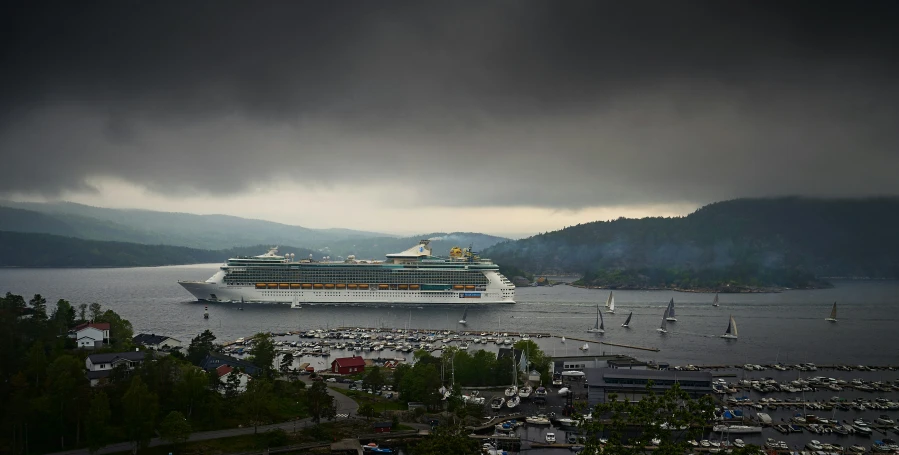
{"x":746,"y":242}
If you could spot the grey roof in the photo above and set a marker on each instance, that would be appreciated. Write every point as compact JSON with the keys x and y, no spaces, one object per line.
{"x":150,"y":338}
{"x":596,"y":375}
{"x":134,"y":356}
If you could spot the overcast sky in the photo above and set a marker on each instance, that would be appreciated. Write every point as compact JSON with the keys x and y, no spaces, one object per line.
{"x":503,"y":117}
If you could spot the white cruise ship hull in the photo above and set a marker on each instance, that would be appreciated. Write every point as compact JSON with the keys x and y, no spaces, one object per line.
{"x":215,"y":290}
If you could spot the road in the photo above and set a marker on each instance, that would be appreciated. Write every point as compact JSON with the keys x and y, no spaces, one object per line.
{"x":343,"y":403}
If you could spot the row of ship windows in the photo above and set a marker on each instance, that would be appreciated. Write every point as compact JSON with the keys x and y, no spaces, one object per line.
{"x":380,"y":294}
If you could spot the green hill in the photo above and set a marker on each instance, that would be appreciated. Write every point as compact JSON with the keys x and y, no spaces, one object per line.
{"x":45,"y":250}
{"x":441,"y":242}
{"x":731,"y":245}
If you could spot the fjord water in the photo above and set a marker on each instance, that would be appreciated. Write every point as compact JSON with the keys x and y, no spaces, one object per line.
{"x":788,"y":327}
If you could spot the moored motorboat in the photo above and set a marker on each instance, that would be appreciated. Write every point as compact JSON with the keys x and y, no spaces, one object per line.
{"x":539,"y":419}
{"x":525,"y":392}
{"x":513,"y":402}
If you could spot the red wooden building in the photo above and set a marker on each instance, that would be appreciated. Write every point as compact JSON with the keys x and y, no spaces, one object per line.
{"x":348,"y":365}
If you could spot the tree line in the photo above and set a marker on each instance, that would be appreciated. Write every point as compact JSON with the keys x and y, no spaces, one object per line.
{"x":51,"y":406}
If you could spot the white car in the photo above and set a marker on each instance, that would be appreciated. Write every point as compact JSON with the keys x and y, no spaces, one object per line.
{"x":331,"y":380}
{"x":550,"y":437}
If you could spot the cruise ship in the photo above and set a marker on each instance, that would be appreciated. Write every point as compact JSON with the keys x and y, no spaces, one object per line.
{"x":413,"y":276}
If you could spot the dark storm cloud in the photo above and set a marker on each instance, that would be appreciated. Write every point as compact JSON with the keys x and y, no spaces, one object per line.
{"x":542,"y":103}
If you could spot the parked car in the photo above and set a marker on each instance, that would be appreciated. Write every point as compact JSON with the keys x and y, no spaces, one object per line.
{"x":331,"y":380}
{"x":389,"y":395}
{"x":572,"y":439}
{"x":550,"y":437}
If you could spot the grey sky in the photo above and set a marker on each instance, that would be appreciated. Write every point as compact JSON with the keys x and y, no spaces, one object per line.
{"x":544,"y":105}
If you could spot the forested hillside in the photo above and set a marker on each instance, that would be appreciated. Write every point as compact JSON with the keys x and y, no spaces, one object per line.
{"x":783,"y":242}
{"x":44,"y":250}
{"x":376,"y":248}
{"x":168,"y":228}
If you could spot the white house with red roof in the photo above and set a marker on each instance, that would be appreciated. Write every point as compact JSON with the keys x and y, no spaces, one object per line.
{"x":90,"y":335}
{"x":223,"y":372}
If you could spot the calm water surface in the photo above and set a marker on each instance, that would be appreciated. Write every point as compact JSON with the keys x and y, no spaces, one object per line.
{"x":788,"y":327}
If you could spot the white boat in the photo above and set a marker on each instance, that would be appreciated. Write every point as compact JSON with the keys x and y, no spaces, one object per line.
{"x":662,"y":328}
{"x":670,"y":313}
{"x":736,"y":429}
{"x":715,"y":302}
{"x":627,"y":322}
{"x":599,"y":327}
{"x":537,"y":420}
{"x":525,"y":392}
{"x":277,"y":278}
{"x":610,"y":303}
{"x":497,"y":403}
{"x":585,"y":347}
{"x":464,"y":317}
{"x":833,"y":313}
{"x":513,"y":402}
{"x":731,"y":332}
{"x":540,"y":392}
{"x":511,"y":391}
{"x":563,"y":339}
{"x":739,"y":443}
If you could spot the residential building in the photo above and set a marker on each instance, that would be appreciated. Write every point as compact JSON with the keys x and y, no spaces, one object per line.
{"x":157,"y":342}
{"x":630,"y":384}
{"x":90,"y":335}
{"x":224,"y":372}
{"x":214,"y":360}
{"x":348,"y":365}
{"x":100,"y":366}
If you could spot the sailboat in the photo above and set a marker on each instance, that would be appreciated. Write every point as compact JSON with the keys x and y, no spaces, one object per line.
{"x":833,"y":313}
{"x":513,"y":390}
{"x":464,"y":317}
{"x":715,"y":302}
{"x":669,"y":314}
{"x":599,"y":327}
{"x":585,"y":347}
{"x":664,"y":322}
{"x":610,"y":302}
{"x":563,"y":339}
{"x":731,"y":332}
{"x":627,"y":322}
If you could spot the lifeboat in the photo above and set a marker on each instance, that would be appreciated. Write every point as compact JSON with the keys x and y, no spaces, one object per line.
{"x":469,"y":287}
{"x":351,"y":286}
{"x":260,"y":285}
{"x":402,"y":286}
{"x":284,"y":286}
{"x":317,"y":286}
{"x":458,"y":287}
{"x":413,"y":286}
{"x":341,"y":286}
{"x":382,"y":286}
{"x":329,"y":286}
{"x":273,"y":285}
{"x":307,"y":286}
{"x":363,"y":286}
{"x":294,"y":285}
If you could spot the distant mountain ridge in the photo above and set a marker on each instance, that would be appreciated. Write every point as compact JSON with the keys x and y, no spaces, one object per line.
{"x":440,"y":243}
{"x":744,"y":243}
{"x":45,"y":250}
{"x":169,"y":228}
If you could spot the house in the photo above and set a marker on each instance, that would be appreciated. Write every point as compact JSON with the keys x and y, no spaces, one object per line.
{"x":157,"y":342}
{"x":214,"y":360}
{"x":520,"y":358}
{"x":382,"y":427}
{"x":100,"y":366}
{"x":90,"y":335}
{"x":224,"y":372}
{"x":348,"y":365}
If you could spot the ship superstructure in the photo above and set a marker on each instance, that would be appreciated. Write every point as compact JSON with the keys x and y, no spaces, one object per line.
{"x":412,"y":276}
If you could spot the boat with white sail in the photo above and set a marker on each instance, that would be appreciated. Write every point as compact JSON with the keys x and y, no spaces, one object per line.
{"x":627,"y":322}
{"x":715,"y":302}
{"x":833,"y":313}
{"x":599,"y":327}
{"x":731,"y":332}
{"x":670,"y":313}
{"x":464,"y":321}
{"x":662,"y":328}
{"x":610,"y":302}
{"x":585,"y":347}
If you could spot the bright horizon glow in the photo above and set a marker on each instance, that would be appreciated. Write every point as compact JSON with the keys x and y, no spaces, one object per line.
{"x":360,"y":209}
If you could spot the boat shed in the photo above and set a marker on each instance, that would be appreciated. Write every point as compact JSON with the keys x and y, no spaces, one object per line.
{"x":630,"y":384}
{"x":348,"y":365}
